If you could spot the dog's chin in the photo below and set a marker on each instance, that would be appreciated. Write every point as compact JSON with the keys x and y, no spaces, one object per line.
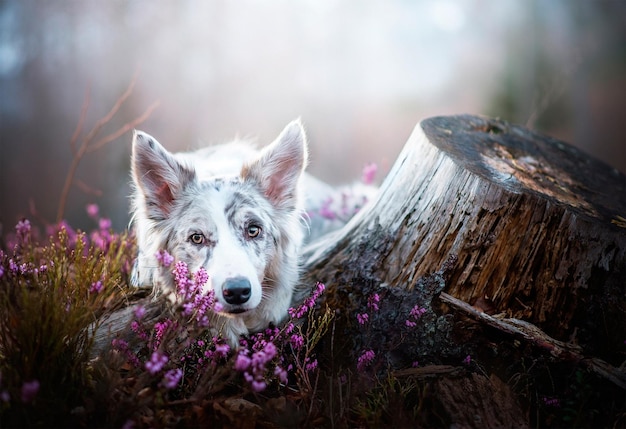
{"x":234,"y":311}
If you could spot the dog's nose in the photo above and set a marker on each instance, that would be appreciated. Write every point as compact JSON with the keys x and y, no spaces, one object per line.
{"x":236,"y":290}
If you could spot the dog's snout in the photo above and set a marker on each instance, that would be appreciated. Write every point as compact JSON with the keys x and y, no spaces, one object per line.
{"x":237,"y":290}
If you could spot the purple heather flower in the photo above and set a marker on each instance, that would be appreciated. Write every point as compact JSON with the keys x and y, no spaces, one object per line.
{"x":365,"y":359}
{"x":119,"y":344}
{"x":289,"y":328}
{"x":258,"y":385}
{"x":159,"y":331}
{"x":415,"y":364}
{"x":1,"y":271}
{"x":281,"y":374}
{"x":417,"y":311}
{"x":326,"y":211}
{"x":372,"y":301}
{"x":92,"y":210}
{"x":242,"y":363}
{"x":172,"y":378}
{"x":96,"y":287}
{"x":551,"y":402}
{"x":362,"y":318}
{"x":156,"y":362}
{"x":467,"y":360}
{"x":4,"y":396}
{"x":221,"y":350}
{"x":23,"y":228}
{"x":140,"y":311}
{"x":410,"y":323}
{"x":201,"y":277}
{"x":297,"y":341}
{"x":104,"y":224}
{"x":29,"y":391}
{"x":369,"y":172}
{"x":164,"y":258}
{"x":311,"y":365}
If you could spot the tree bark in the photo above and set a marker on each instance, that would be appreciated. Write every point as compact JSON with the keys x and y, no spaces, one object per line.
{"x":537,"y":228}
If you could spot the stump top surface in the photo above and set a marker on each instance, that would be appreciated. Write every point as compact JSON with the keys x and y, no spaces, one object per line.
{"x":521,"y":161}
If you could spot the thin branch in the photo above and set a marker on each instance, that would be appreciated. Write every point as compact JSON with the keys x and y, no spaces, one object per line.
{"x":107,"y":118}
{"x":88,"y":145}
{"x":124,"y":129}
{"x":87,"y":189}
{"x":81,"y":121}
{"x":532,"y":334}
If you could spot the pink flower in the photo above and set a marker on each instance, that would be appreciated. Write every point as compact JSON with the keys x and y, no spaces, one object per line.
{"x":164,"y":258}
{"x":369,"y":172}
{"x":311,"y":365}
{"x":297,"y":341}
{"x":365,"y":359}
{"x":242,"y":363}
{"x":467,"y":360}
{"x":258,"y":385}
{"x":221,"y":350}
{"x":140,"y":311}
{"x":281,"y":374}
{"x":172,"y":378}
{"x":93,"y":210}
{"x":23,"y":228}
{"x":104,"y":224}
{"x":29,"y":391}
{"x":372,"y":301}
{"x":362,"y":318}
{"x":156,"y":362}
{"x":96,"y":287}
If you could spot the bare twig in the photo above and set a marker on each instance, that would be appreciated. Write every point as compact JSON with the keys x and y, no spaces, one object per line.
{"x":532,"y":334}
{"x":87,"y":189}
{"x":90,"y":144}
{"x":81,"y":121}
{"x":123,"y":129}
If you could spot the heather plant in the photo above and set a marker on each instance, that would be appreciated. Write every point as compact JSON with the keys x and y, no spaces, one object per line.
{"x":52,"y":296}
{"x":181,"y":357}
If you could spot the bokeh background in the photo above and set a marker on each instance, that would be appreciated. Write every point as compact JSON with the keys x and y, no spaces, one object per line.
{"x":360,"y":74}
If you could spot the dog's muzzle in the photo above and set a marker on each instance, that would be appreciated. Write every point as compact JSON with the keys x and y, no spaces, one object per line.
{"x":237,"y":291}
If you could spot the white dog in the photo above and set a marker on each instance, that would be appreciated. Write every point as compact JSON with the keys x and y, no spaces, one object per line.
{"x":230,"y":209}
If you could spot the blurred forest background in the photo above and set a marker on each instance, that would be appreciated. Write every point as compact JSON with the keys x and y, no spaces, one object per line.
{"x":360,"y":73}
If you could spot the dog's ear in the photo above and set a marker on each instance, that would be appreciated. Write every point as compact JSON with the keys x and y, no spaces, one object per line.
{"x":158,"y":176}
{"x":279,"y":166}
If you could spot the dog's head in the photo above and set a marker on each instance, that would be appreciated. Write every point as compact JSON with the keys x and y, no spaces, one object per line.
{"x":239,"y":228}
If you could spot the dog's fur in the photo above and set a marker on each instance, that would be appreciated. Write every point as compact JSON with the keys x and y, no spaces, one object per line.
{"x":231,"y":209}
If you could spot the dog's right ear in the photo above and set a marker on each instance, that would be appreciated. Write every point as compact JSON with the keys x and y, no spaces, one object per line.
{"x":158,"y":176}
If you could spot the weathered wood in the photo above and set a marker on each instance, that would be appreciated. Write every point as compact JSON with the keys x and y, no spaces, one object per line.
{"x":537,"y":227}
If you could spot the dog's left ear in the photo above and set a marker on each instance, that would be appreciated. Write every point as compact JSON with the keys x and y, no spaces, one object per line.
{"x":278,"y":168}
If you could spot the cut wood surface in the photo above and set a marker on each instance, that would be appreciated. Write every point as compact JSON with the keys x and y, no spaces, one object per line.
{"x":536,"y":225}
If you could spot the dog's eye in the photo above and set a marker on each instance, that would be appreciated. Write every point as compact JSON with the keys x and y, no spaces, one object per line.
{"x":253,"y":231}
{"x":197,"y":238}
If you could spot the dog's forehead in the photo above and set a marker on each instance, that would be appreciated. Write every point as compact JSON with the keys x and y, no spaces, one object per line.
{"x":226,"y":195}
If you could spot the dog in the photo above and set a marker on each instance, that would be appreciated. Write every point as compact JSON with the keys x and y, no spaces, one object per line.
{"x":231,"y":209}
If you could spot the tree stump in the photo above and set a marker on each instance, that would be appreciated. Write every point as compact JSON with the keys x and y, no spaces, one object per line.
{"x":537,"y":227}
